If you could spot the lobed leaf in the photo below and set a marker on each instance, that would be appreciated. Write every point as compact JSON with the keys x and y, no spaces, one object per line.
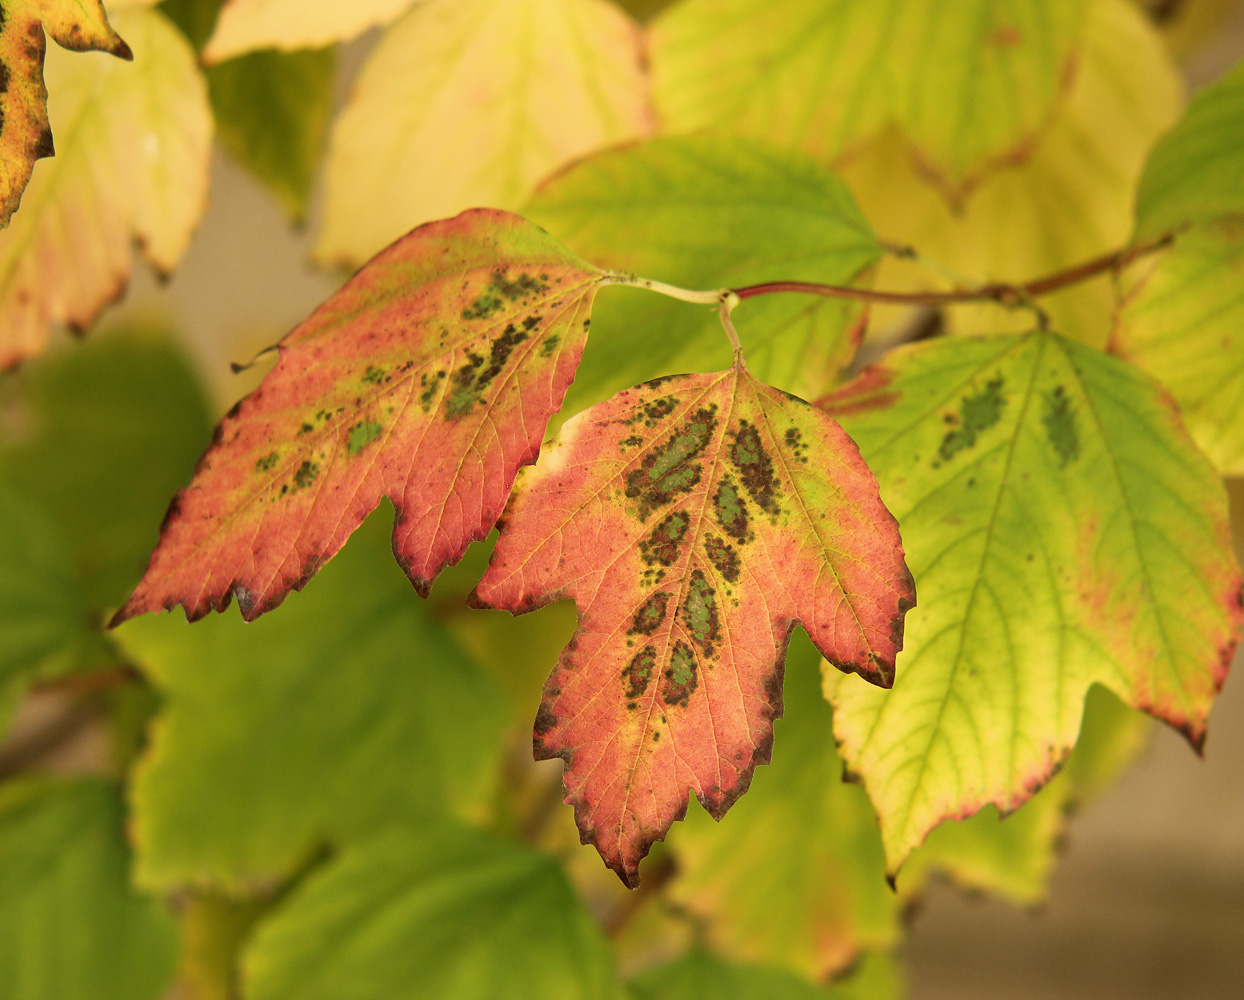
{"x":350,"y":709}
{"x":695,"y":520}
{"x":969,"y":92}
{"x":1181,"y":318}
{"x":73,"y":927}
{"x":439,"y":913}
{"x":706,"y":212}
{"x":429,"y":377}
{"x":1063,"y":532}
{"x":25,"y":131}
{"x":247,"y":25}
{"x":473,"y":102}
{"x":1196,"y":173}
{"x":135,"y":144}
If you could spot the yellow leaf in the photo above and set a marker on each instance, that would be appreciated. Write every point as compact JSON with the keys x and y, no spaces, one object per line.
{"x":1070,"y":200}
{"x":471,"y":102}
{"x":25,"y":135}
{"x":246,"y":25}
{"x":134,"y":144}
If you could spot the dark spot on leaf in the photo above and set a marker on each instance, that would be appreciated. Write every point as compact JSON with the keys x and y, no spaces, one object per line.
{"x":669,"y":470}
{"x":502,"y":290}
{"x":429,"y":384}
{"x":634,"y":441}
{"x":545,"y":720}
{"x":650,"y":614}
{"x":306,"y":475}
{"x":731,"y":510}
{"x":977,"y":413}
{"x":549,"y":346}
{"x":305,"y":429}
{"x":45,"y":146}
{"x":373,"y":375}
{"x":637,"y":674}
{"x":531,"y":322}
{"x":681,"y":676}
{"x":267,"y":462}
{"x":699,"y":613}
{"x":664,"y":544}
{"x":723,"y":557}
{"x":1059,"y":420}
{"x":754,"y":466}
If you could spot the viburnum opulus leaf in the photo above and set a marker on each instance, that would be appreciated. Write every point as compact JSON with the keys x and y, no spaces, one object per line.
{"x":428,"y":378}
{"x":695,"y":520}
{"x":1064,"y":531}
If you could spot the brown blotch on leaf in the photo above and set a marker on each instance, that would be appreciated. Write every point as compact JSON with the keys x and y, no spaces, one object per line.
{"x":754,"y":466}
{"x":637,"y":674}
{"x":665,"y":542}
{"x":306,"y":475}
{"x":699,"y":613}
{"x":731,"y":510}
{"x":650,"y":614}
{"x":723,"y":557}
{"x":681,"y":677}
{"x":670,"y":469}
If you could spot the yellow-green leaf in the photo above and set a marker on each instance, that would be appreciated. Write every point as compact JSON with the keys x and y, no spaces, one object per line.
{"x":247,"y":25}
{"x":1063,"y":531}
{"x":25,"y":133}
{"x":470,"y":102}
{"x":134,"y":145}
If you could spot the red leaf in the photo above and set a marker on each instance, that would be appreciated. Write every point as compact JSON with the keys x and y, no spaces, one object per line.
{"x":695,"y":520}
{"x":429,"y":377}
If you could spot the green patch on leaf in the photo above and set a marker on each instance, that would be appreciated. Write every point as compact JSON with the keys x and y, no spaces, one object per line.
{"x":361,"y":435}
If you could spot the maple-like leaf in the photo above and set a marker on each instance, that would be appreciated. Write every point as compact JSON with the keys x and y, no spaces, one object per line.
{"x":25,"y":132}
{"x":133,"y":166}
{"x":695,"y":520}
{"x":1064,"y":531}
{"x":472,"y":103}
{"x":428,"y":378}
{"x":247,"y":25}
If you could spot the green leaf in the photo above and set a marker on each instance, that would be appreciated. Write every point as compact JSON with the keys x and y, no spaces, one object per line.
{"x":699,"y":975}
{"x":70,"y":926}
{"x":706,"y":213}
{"x":432,"y":914}
{"x":349,"y":709}
{"x":794,"y":874}
{"x":695,"y":520}
{"x":272,"y":111}
{"x":1063,"y":531}
{"x":46,"y":628}
{"x":123,"y":413}
{"x":1181,"y":318}
{"x":968,"y":91}
{"x":1196,"y":173}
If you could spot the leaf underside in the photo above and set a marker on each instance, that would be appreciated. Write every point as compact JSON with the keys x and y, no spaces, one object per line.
{"x":428,"y":378}
{"x":695,"y":520}
{"x":1063,"y":530}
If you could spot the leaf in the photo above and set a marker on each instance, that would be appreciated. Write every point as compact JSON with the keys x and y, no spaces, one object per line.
{"x":472,"y":102}
{"x":429,"y":377}
{"x":25,"y":132}
{"x":695,"y":520}
{"x":135,"y":143}
{"x":45,"y":626}
{"x":795,"y":875}
{"x":438,"y":914}
{"x":706,"y":213}
{"x":103,"y":434}
{"x":969,"y":92}
{"x":1196,"y":173}
{"x":272,"y":112}
{"x":350,"y":709}
{"x":1070,"y":199}
{"x":701,"y":974}
{"x":1063,"y":532}
{"x":73,"y":928}
{"x":247,"y":25}
{"x":1180,"y":319}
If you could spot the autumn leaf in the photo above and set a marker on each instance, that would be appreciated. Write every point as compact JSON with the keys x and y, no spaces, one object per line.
{"x":473,"y":102}
{"x":428,"y":378}
{"x":968,"y":92}
{"x":135,"y":146}
{"x":247,"y":25}
{"x":695,"y":520}
{"x":1063,"y":531}
{"x":25,"y":132}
